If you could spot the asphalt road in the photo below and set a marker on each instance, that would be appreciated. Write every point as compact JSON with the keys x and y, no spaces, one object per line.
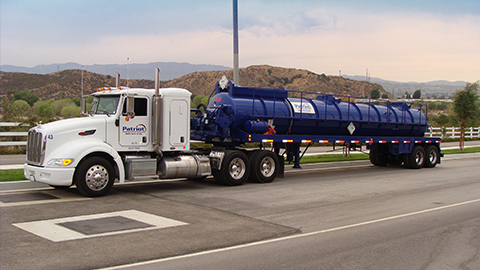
{"x":355,"y":217}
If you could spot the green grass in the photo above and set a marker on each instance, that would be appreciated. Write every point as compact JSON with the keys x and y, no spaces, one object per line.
{"x":11,"y":175}
{"x":465,"y":151}
{"x":17,"y":174}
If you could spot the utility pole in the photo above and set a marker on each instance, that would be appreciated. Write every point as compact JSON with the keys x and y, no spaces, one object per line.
{"x":236,"y":75}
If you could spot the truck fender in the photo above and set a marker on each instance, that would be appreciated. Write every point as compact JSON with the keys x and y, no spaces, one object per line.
{"x":78,"y":150}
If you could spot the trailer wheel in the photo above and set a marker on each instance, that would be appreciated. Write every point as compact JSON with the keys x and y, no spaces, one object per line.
{"x":395,"y":160}
{"x":235,"y":169}
{"x":377,"y":159}
{"x":94,"y":177}
{"x":416,"y":159}
{"x":432,"y":156}
{"x":405,"y":160}
{"x":264,"y":166}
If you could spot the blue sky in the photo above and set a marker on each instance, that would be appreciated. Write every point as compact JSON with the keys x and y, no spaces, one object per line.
{"x":394,"y":40}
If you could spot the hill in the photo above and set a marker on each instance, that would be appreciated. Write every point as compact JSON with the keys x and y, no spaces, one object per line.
{"x":277,"y":77}
{"x":429,"y":89}
{"x":67,"y":83}
{"x":169,"y":70}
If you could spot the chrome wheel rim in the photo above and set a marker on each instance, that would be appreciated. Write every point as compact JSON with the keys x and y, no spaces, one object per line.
{"x":432,"y":157}
{"x":237,"y":168}
{"x":267,"y":166}
{"x":419,"y":158}
{"x":97,"y":177}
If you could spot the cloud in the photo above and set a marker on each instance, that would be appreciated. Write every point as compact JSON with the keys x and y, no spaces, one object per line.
{"x":392,"y":46}
{"x":408,"y":43}
{"x":283,"y":20}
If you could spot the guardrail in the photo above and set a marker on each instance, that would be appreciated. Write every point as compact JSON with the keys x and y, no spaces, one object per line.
{"x":453,"y":132}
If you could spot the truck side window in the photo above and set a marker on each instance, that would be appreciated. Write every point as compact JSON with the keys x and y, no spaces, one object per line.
{"x":140,"y":107}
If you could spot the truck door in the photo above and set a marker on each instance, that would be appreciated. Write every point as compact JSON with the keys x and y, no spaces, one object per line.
{"x":178,"y":119}
{"x":133,"y":132}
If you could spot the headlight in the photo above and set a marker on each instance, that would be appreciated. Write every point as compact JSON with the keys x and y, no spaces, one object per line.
{"x":60,"y":161}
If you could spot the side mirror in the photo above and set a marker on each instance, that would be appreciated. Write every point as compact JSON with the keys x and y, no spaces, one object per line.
{"x":131,"y":107}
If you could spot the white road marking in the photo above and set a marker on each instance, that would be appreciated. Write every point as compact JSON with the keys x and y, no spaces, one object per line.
{"x":62,"y":195}
{"x":49,"y":229}
{"x":293,"y":236}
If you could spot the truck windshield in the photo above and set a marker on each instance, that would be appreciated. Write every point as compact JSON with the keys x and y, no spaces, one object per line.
{"x":105,"y":104}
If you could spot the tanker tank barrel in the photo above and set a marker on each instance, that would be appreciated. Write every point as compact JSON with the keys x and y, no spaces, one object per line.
{"x":239,"y":111}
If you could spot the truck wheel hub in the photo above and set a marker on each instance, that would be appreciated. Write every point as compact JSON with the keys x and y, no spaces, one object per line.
{"x":97,"y":177}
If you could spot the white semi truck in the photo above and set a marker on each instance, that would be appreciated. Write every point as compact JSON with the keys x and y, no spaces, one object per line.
{"x":129,"y":134}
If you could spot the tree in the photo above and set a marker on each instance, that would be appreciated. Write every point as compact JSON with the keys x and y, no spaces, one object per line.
{"x":58,"y":105}
{"x":45,"y":110}
{"x":407,"y":95}
{"x":384,"y":95}
{"x":21,"y":108}
{"x":8,"y":113}
{"x":27,"y":96}
{"x":417,"y":94}
{"x":70,"y":111}
{"x":197,"y":100}
{"x":375,"y":93}
{"x":465,"y":108}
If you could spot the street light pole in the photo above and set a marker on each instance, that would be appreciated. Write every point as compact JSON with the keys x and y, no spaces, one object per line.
{"x":236,"y":75}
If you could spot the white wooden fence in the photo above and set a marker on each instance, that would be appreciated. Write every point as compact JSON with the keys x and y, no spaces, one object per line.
{"x":12,"y":134}
{"x":442,"y":132}
{"x":453,"y":132}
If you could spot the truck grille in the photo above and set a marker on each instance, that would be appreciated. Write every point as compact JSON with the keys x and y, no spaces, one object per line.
{"x":35,"y":147}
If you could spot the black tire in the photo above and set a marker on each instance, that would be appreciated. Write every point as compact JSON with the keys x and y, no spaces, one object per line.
{"x":217,"y":175}
{"x":94,"y":177}
{"x":197,"y":179}
{"x":373,"y":157}
{"x":377,"y":159}
{"x":235,"y":169}
{"x":432,"y":156}
{"x":395,"y":160}
{"x":405,"y":160}
{"x":416,"y":159}
{"x":264,"y":166}
{"x":60,"y":187}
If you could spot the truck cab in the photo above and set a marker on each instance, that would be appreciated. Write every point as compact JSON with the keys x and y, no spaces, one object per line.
{"x":120,"y":138}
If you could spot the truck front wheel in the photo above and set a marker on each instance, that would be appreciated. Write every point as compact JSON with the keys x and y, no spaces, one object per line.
{"x":94,"y":177}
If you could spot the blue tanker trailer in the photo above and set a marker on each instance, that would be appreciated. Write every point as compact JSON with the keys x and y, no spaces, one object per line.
{"x":393,"y":132}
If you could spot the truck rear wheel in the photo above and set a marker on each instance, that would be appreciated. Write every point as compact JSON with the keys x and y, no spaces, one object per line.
{"x":377,"y":159}
{"x":94,"y":177}
{"x":264,"y":166}
{"x":432,"y":156}
{"x":416,"y":159}
{"x":235,"y":169}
